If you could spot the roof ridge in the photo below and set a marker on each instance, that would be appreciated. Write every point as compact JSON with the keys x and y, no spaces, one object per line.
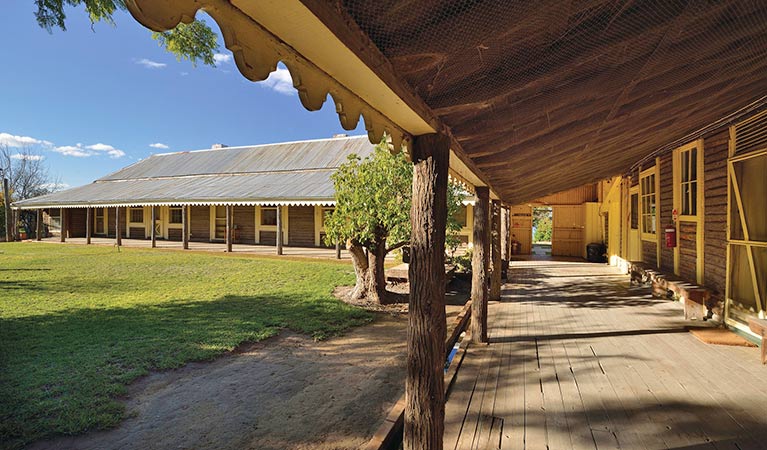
{"x":239,"y":147}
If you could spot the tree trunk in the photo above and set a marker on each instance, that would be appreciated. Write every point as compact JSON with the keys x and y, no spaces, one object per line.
{"x":427,"y":328}
{"x":495,"y":234}
{"x":377,"y":276}
{"x":360,"y":263}
{"x":479,"y":265}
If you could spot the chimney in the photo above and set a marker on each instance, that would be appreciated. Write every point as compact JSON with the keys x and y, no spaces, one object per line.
{"x":218,"y":146}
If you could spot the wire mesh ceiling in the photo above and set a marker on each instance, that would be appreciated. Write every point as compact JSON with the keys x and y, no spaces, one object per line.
{"x":572,"y":91}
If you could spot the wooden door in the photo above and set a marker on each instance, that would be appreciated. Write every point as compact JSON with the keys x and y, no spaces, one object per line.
{"x":567,"y":236}
{"x":522,"y":227}
{"x":747,"y":238}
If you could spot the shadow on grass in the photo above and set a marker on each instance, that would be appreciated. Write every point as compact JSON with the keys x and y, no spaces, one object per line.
{"x":60,"y":373}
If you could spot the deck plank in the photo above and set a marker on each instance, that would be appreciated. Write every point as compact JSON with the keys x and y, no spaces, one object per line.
{"x":578,"y":359}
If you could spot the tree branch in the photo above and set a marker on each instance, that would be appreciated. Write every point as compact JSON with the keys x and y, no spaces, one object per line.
{"x":397,"y":245}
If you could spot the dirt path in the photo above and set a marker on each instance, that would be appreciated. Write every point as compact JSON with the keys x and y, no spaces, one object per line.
{"x":284,"y":393}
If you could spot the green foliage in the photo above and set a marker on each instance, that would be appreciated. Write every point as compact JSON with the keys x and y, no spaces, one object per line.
{"x":542,"y":224}
{"x":373,"y":200}
{"x":463,"y":262}
{"x":80,"y":323}
{"x":193,"y":42}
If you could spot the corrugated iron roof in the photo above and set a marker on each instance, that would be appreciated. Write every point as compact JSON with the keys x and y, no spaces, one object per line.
{"x":286,"y":173}
{"x":288,"y":156}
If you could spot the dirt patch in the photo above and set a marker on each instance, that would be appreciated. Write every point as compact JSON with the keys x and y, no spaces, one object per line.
{"x":287,"y":392}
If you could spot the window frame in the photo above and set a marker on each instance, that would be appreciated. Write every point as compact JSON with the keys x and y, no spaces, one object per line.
{"x":131,"y":210}
{"x":268,"y":226}
{"x":645,"y":174}
{"x":171,"y":222}
{"x":680,"y":169}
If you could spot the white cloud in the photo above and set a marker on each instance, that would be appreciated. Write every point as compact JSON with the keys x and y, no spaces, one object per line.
{"x":11,"y":140}
{"x":221,"y":58}
{"x":280,"y":81}
{"x":149,"y":64}
{"x":81,"y":151}
{"x":72,"y":150}
{"x":159,"y":145}
{"x":27,"y":157}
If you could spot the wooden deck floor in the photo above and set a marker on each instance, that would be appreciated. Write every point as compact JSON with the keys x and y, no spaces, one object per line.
{"x":580,"y":360}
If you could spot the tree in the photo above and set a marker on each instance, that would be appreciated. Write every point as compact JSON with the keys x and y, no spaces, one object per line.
{"x":194,"y":41}
{"x":28,"y":177}
{"x":372,"y":214}
{"x":542,"y":224}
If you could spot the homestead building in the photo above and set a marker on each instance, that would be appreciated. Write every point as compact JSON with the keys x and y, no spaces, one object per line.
{"x":665,"y":100}
{"x":193,"y":190}
{"x":256,"y":187}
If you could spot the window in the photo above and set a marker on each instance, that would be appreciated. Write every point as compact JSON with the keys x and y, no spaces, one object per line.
{"x":460,"y":216}
{"x":175,"y":215}
{"x":137,"y":215}
{"x":269,"y":216}
{"x":649,"y":202}
{"x":689,"y":182}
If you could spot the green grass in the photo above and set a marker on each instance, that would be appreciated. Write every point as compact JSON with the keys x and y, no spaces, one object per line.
{"x":77,"y":324}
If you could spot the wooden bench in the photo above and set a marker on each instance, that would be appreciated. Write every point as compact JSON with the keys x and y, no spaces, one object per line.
{"x":759,"y":326}
{"x":695,"y":298}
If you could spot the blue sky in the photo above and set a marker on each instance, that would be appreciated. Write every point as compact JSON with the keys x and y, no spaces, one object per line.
{"x":91,"y":100}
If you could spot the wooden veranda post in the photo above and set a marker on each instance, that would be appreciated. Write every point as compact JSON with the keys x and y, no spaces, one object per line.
{"x":479,"y":265}
{"x":424,"y":385}
{"x":228,"y":228}
{"x":153,"y":231}
{"x":279,"y":229}
{"x":88,"y":225}
{"x":39,"y":225}
{"x":118,"y":228}
{"x":495,"y":235}
{"x":63,"y":222}
{"x":184,"y":228}
{"x":7,"y":206}
{"x":505,"y":241}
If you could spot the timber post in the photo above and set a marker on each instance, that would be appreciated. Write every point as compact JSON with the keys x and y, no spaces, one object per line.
{"x":338,"y":250}
{"x":508,"y":237}
{"x":479,"y":265}
{"x":7,"y":206}
{"x":39,"y":225}
{"x":505,"y":242}
{"x":88,"y":225}
{"x":184,"y":228}
{"x":495,"y":235}
{"x":228,"y":228}
{"x":279,"y":230}
{"x":427,"y":329}
{"x":118,"y":228}
{"x":153,"y":231}
{"x":63,"y":222}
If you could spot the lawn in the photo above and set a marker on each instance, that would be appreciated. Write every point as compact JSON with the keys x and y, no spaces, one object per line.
{"x":78,"y":324}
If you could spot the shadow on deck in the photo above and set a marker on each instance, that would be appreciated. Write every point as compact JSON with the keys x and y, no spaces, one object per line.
{"x":579,"y":359}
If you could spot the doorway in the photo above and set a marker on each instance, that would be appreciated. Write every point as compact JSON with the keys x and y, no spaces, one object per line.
{"x":542,"y":230}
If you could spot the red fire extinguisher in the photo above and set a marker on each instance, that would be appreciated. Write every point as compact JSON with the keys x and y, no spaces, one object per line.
{"x":670,"y":236}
